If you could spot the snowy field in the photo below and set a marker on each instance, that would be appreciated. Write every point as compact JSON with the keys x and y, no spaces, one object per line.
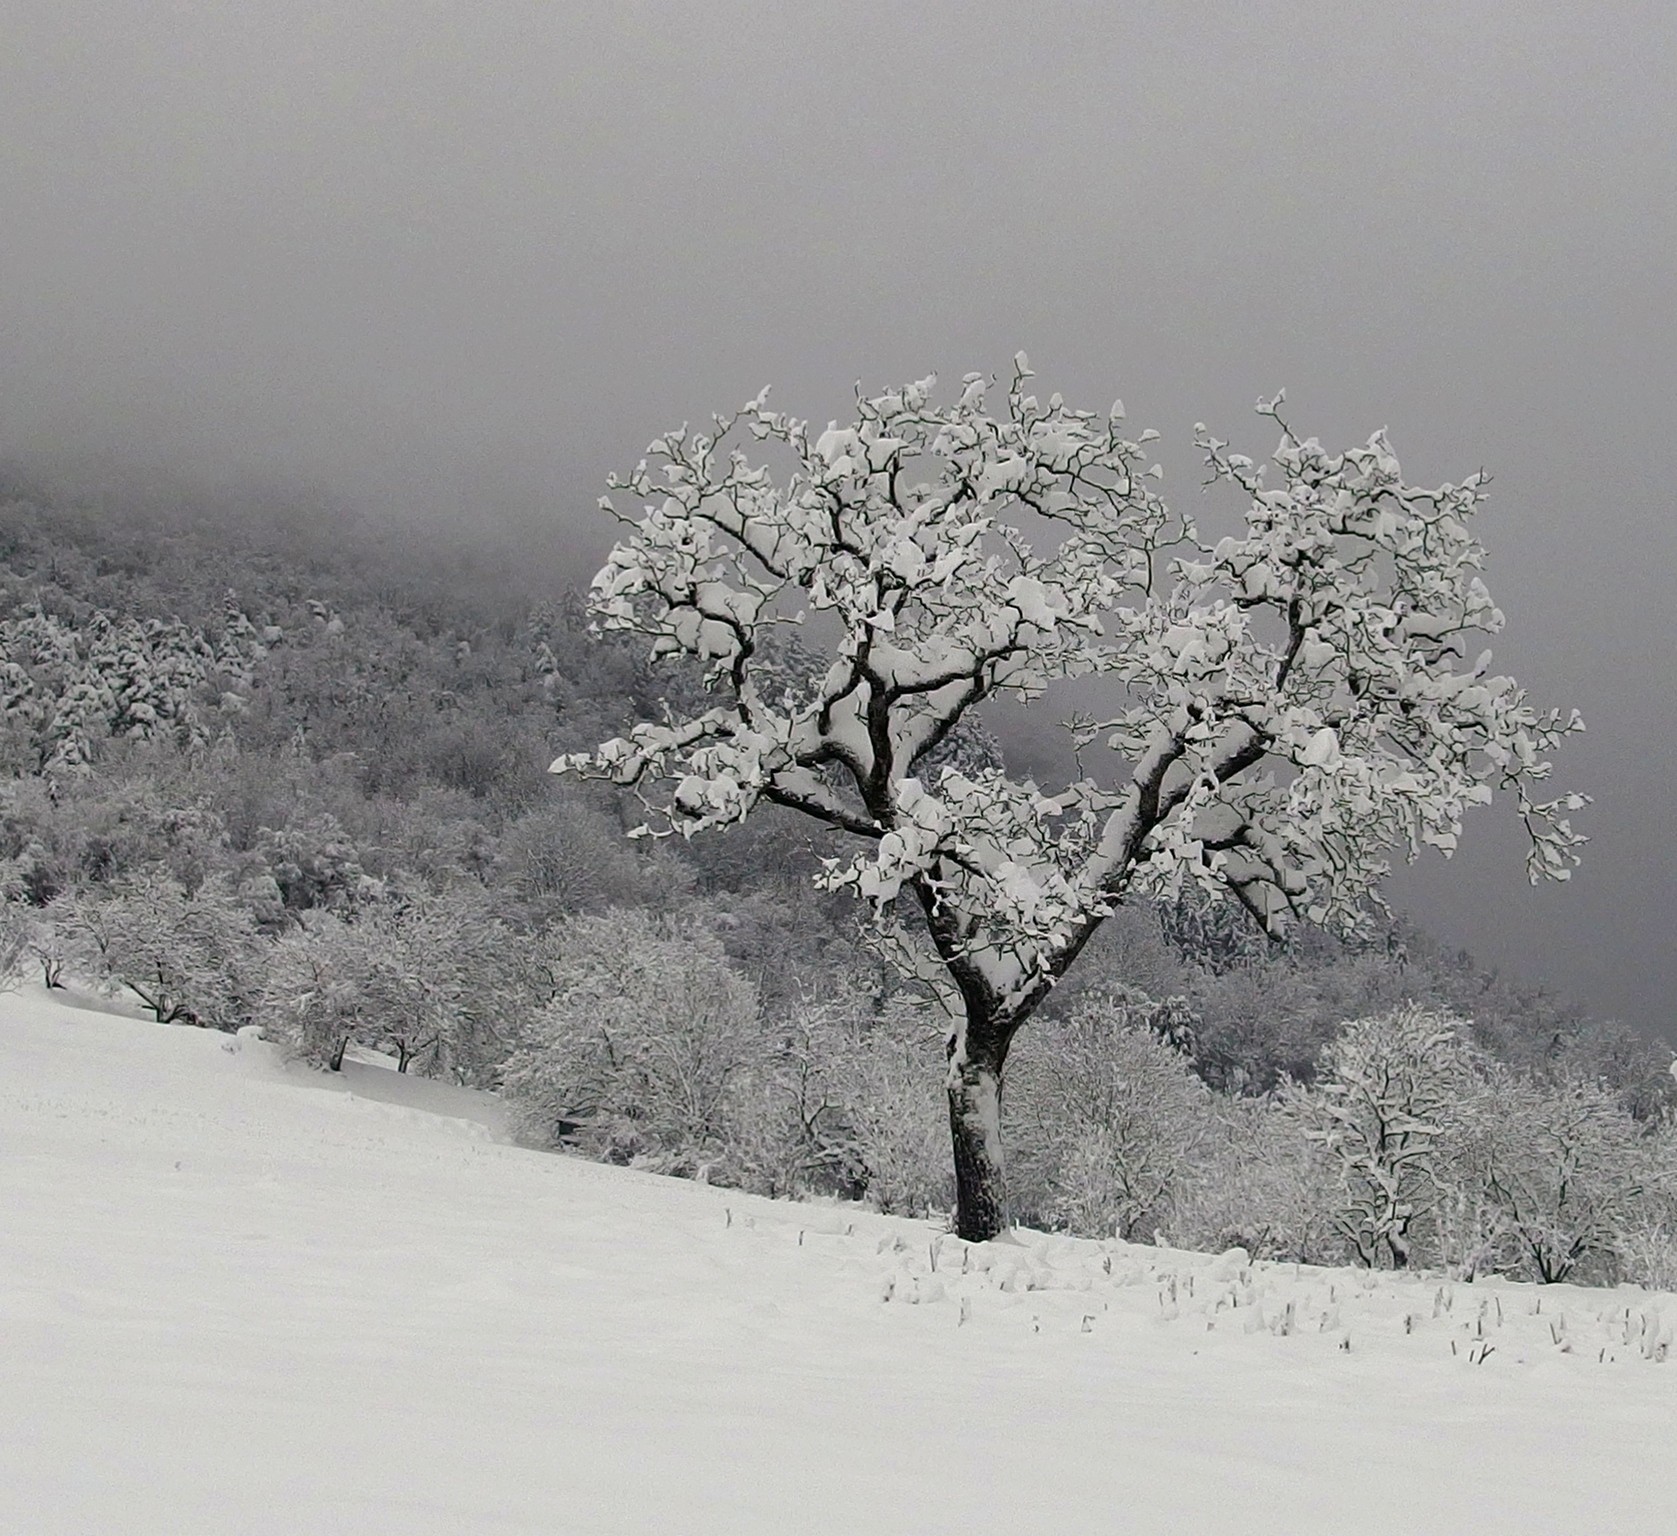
{"x":237,"y":1297}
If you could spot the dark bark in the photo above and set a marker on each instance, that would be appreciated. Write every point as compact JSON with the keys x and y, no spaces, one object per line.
{"x":337,"y":1062}
{"x":975,"y":1087}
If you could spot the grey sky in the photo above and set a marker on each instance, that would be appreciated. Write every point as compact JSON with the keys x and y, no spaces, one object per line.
{"x":463,"y":259}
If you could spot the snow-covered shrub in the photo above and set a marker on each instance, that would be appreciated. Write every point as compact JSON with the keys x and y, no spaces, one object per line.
{"x":1647,"y":1252}
{"x":433,"y":978}
{"x":1636,"y":1067}
{"x":1258,"y":1182}
{"x":136,"y":815}
{"x":896,"y":1110}
{"x":839,"y":1101}
{"x":189,"y":957}
{"x":789,"y":1132}
{"x":633,"y":1058}
{"x":1387,"y":1092}
{"x":1108,"y":1117}
{"x":1563,"y":1167}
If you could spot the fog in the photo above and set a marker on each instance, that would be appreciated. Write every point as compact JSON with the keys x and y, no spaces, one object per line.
{"x":453,"y":263}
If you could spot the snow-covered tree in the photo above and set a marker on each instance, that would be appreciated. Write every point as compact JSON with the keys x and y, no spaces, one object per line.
{"x":1388,"y":1091}
{"x":313,"y":997}
{"x":71,"y":686}
{"x":314,"y":863}
{"x":634,"y":1056}
{"x":189,"y":957}
{"x":1564,"y":1167}
{"x":1288,"y":705}
{"x":431,"y":977}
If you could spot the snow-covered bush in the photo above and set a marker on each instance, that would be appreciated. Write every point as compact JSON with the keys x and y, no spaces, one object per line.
{"x":314,"y":863}
{"x":55,"y":836}
{"x":313,"y":997}
{"x":189,"y":957}
{"x":895,"y":1109}
{"x":1635,"y":1066}
{"x":1563,"y":1168}
{"x":1108,"y":1118}
{"x":1413,"y":1148}
{"x":1647,"y":1251}
{"x":568,"y":857}
{"x":1259,"y":1183}
{"x":840,"y":1102}
{"x":634,"y":1057}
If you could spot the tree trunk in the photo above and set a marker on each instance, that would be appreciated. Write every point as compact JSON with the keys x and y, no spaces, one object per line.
{"x":975,"y":1101}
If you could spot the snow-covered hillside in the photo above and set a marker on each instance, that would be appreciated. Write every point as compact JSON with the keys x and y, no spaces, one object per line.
{"x":239,"y":1297}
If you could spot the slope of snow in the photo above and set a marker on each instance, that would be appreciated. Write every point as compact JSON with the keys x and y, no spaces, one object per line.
{"x":237,"y":1297}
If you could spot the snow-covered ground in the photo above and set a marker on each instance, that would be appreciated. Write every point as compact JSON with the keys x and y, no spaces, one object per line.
{"x":236,"y":1297}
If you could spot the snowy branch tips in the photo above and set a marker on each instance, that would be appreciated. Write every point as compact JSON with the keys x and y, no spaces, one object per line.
{"x":1290,"y":705}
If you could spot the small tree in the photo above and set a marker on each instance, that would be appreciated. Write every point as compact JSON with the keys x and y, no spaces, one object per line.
{"x":1386,"y":1093}
{"x":188,"y":957}
{"x":1564,"y":1167}
{"x":1289,"y":704}
{"x":314,"y":996}
{"x":634,"y":1056}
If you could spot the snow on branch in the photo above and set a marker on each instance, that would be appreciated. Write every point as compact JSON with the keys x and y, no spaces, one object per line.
{"x":1293,"y":704}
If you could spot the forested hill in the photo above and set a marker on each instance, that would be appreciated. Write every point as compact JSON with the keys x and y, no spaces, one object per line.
{"x":319,"y":750}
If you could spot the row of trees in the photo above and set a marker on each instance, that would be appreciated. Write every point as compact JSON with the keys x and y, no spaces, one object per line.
{"x":631,"y":1037}
{"x":1410,"y":1148}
